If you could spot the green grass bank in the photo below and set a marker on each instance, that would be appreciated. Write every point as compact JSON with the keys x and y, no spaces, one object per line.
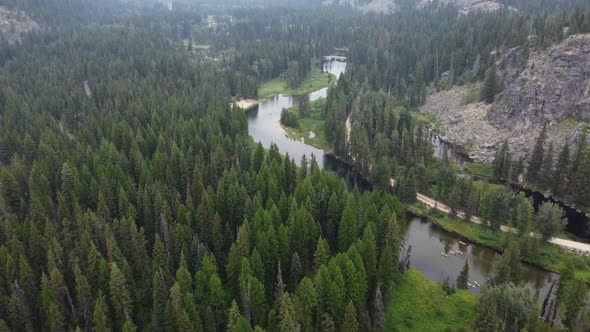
{"x":420,"y":304}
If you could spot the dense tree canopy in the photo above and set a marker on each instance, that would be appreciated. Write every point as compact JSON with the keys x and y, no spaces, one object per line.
{"x":132,"y":198}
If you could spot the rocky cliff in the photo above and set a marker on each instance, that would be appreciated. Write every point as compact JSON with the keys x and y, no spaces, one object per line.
{"x":552,"y":88}
{"x":13,"y":24}
{"x":388,"y":6}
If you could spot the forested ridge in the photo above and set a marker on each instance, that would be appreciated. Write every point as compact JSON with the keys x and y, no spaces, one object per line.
{"x":395,"y":64}
{"x":143,"y":204}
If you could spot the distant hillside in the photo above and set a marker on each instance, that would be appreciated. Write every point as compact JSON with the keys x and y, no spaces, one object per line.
{"x":15,"y":23}
{"x":386,"y":6}
{"x":552,"y":87}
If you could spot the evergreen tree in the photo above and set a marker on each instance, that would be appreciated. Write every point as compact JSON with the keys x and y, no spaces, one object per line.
{"x":550,"y":220}
{"x":486,"y":316}
{"x":347,"y":229}
{"x":159,"y":296}
{"x":408,"y":194}
{"x":561,"y":171}
{"x":350,"y":323}
{"x":548,"y":173}
{"x":537,"y":158}
{"x":386,"y":269}
{"x":287,"y":321}
{"x":503,"y":162}
{"x":120,"y":297}
{"x":306,"y":302}
{"x":578,"y":156}
{"x":233,"y":316}
{"x":490,"y":86}
{"x":582,"y":180}
{"x":321,"y":254}
{"x":328,"y":323}
{"x":128,"y":326}
{"x":574,"y":303}
{"x":304,"y":106}
{"x":509,"y":268}
{"x":100,"y":317}
{"x":534,"y":321}
{"x":295,"y":272}
{"x":463,"y":277}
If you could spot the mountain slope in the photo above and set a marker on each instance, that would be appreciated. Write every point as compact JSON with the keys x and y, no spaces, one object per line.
{"x":387,"y":6}
{"x":15,"y":23}
{"x":552,"y":88}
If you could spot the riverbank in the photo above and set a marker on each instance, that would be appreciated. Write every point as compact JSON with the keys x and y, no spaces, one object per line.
{"x":316,"y":80}
{"x":311,"y":128}
{"x":549,"y":257}
{"x":246,"y":104}
{"x":422,"y":305}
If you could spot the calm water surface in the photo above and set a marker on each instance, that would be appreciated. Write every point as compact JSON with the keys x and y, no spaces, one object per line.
{"x":428,"y":241}
{"x":264,"y":127}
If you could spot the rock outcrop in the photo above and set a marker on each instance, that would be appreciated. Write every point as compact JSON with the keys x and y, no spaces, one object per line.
{"x":553,"y":86}
{"x":466,"y":6}
{"x":13,"y":24}
{"x":467,"y":125}
{"x":388,"y":6}
{"x":374,"y":6}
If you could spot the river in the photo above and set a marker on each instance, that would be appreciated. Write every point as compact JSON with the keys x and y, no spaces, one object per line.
{"x":427,"y":239}
{"x":264,"y":121}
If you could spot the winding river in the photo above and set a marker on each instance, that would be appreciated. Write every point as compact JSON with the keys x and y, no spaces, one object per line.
{"x":264,"y":121}
{"x":428,"y":240}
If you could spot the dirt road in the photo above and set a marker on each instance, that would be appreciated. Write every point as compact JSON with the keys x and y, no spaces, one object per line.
{"x":574,"y":246}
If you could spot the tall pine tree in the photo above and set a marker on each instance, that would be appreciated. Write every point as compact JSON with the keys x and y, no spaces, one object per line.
{"x":537,"y":157}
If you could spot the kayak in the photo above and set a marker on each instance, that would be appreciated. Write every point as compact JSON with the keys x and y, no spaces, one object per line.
{"x":462,"y":243}
{"x":443,"y":254}
{"x":476,"y":283}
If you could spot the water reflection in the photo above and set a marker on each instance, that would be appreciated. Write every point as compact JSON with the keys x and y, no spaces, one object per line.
{"x":264,"y":126}
{"x":429,"y":242}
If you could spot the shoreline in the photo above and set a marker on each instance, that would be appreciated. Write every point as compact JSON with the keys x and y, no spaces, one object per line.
{"x":414,"y":212}
{"x":560,"y":251}
{"x":246,"y":103}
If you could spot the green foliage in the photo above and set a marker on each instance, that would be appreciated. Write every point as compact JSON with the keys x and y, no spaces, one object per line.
{"x":503,"y":162}
{"x":289,"y":118}
{"x":487,"y":319}
{"x":463,"y":277}
{"x":537,"y":158}
{"x":422,"y":305}
{"x":504,"y":307}
{"x":347,"y":229}
{"x":296,"y":80}
{"x":490,"y":86}
{"x":144,"y":205}
{"x":314,"y":122}
{"x":509,"y":269}
{"x":350,"y":323}
{"x":120,"y":296}
{"x":550,"y":220}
